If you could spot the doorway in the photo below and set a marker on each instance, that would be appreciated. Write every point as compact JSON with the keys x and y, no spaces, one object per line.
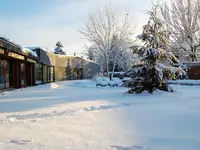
{"x":5,"y":74}
{"x":23,"y":74}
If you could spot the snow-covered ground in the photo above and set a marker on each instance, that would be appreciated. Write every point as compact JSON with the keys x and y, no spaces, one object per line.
{"x":76,"y":115}
{"x":185,"y":82}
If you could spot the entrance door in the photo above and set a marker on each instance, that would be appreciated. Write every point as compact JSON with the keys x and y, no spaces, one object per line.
{"x":2,"y":74}
{"x":5,"y":74}
{"x":29,"y":74}
{"x":80,"y":73}
{"x":23,"y":73}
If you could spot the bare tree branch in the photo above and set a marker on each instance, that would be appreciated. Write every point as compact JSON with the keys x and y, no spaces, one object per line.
{"x":109,"y":32}
{"x":183,"y":23}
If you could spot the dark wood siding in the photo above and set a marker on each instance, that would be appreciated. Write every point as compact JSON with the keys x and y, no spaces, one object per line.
{"x":194,"y":72}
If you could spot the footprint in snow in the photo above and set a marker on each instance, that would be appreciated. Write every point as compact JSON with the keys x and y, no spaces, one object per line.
{"x":135,"y":147}
{"x":19,"y":142}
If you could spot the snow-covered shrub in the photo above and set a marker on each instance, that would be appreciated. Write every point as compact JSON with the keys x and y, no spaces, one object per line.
{"x":59,"y":49}
{"x":177,"y":73}
{"x":151,"y":74}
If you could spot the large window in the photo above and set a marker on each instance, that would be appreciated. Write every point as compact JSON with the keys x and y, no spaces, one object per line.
{"x":23,"y":73}
{"x":38,"y":73}
{"x":5,"y":74}
{"x":2,"y":78}
{"x":45,"y":73}
{"x":52,"y":74}
{"x":48,"y":74}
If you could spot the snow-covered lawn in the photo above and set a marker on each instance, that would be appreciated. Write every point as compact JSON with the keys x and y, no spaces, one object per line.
{"x":76,"y":115}
{"x":185,"y":82}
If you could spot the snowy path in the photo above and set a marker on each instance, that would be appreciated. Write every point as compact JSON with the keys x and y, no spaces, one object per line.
{"x":75,"y":115}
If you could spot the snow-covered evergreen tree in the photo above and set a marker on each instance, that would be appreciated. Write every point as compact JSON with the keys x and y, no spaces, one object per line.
{"x":151,"y":74}
{"x":59,"y":49}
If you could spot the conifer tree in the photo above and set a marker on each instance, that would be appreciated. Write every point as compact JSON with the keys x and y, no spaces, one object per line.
{"x":59,"y":48}
{"x":151,"y":74}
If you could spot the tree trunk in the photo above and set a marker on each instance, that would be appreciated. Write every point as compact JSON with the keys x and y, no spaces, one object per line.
{"x":107,"y":67}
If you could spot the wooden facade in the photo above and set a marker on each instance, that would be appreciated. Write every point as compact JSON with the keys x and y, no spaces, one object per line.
{"x":193,"y":70}
{"x":16,"y":67}
{"x":19,"y":69}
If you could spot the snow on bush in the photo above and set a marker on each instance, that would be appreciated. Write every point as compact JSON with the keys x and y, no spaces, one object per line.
{"x":151,"y":74}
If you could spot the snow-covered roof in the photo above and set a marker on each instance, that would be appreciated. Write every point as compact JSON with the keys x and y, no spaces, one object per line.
{"x":37,"y":47}
{"x":29,"y":51}
{"x":77,"y":57}
{"x":11,"y":43}
{"x":22,"y":49}
{"x":32,"y":48}
{"x":89,"y":60}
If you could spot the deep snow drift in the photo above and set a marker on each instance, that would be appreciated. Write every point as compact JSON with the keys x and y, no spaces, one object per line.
{"x":76,"y":115}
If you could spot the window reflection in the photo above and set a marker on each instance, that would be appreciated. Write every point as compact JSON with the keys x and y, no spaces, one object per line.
{"x":2,"y":74}
{"x":44,"y":73}
{"x":52,"y":73}
{"x":38,"y":73}
{"x":7,"y":74}
{"x":23,"y":74}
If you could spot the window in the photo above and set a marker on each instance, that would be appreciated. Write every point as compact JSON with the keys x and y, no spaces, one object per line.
{"x":23,"y":73}
{"x":48,"y":74}
{"x":2,"y":78}
{"x":5,"y":74}
{"x":38,"y":73}
{"x":44,"y":73}
{"x":52,"y":74}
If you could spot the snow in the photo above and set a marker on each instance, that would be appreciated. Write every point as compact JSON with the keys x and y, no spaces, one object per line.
{"x":185,"y":82}
{"x":36,"y":47}
{"x":33,"y":48}
{"x":26,"y":50}
{"x":77,"y":115}
{"x":90,"y":60}
{"x":10,"y":41}
{"x":117,"y":72}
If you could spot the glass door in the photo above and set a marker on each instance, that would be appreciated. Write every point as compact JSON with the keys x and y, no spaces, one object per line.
{"x":23,"y":74}
{"x":52,"y":74}
{"x":45,"y":74}
{"x":38,"y":73}
{"x":2,"y":74}
{"x":7,"y":73}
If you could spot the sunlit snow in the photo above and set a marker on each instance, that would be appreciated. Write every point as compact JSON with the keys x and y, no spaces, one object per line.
{"x":77,"y":115}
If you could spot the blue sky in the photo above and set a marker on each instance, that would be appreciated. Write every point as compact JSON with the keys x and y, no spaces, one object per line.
{"x":21,"y":8}
{"x":44,"y":22}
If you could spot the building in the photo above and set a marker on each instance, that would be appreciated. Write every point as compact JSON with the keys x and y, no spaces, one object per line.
{"x":45,"y":66}
{"x":193,"y":67}
{"x":193,"y":70}
{"x":21,"y":67}
{"x":16,"y":65}
{"x":74,"y":68}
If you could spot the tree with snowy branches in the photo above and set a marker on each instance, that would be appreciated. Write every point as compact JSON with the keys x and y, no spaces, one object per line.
{"x":182,"y":18}
{"x":151,"y":74}
{"x":59,"y":48}
{"x":109,"y":33}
